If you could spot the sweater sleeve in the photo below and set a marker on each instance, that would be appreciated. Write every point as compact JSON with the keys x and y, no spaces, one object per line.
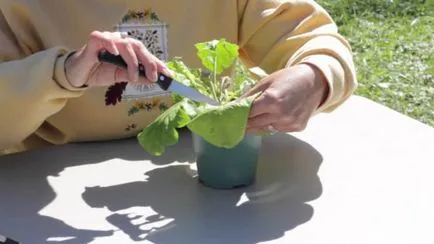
{"x":33,"y":85}
{"x":276,"y":34}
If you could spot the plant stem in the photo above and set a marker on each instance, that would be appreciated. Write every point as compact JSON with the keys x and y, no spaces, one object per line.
{"x":215,"y":84}
{"x":223,"y":91}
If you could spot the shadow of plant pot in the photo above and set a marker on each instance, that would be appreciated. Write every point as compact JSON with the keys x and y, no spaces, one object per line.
{"x":227,"y":168}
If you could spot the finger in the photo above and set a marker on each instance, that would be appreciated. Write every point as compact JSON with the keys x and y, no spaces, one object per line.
{"x":259,"y":107}
{"x":262,"y":120}
{"x":102,"y":40}
{"x":260,"y":87}
{"x":264,"y":104}
{"x":149,"y":63}
{"x":107,"y":74}
{"x":109,"y":42}
{"x":144,"y":55}
{"x":256,"y":130}
{"x":120,"y":74}
{"x":150,"y":67}
{"x":110,"y":46}
{"x":290,"y":128}
{"x":161,"y":67}
{"x":128,"y":54}
{"x":291,"y":125}
{"x":95,"y":41}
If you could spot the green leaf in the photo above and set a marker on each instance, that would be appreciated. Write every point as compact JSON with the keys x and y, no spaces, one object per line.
{"x":162,"y":131}
{"x":217,"y":55}
{"x":187,"y":76}
{"x":243,"y":79}
{"x":223,"y":126}
{"x":182,"y":72}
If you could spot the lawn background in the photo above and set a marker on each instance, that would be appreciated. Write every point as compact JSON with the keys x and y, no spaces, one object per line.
{"x":393,"y":45}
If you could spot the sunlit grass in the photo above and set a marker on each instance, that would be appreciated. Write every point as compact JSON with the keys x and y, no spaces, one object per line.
{"x":393,"y":46}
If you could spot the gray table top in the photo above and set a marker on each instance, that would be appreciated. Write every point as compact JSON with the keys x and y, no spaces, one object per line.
{"x":362,"y":174}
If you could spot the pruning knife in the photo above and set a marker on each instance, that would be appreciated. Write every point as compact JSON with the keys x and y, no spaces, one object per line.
{"x":165,"y":82}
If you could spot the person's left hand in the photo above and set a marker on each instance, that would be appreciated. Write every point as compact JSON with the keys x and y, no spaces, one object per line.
{"x":288,"y":100}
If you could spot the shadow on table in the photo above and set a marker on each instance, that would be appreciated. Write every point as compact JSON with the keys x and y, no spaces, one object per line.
{"x":23,"y":179}
{"x":188,"y":212}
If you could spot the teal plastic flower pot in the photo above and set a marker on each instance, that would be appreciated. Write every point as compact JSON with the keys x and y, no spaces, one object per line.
{"x":224,"y":168}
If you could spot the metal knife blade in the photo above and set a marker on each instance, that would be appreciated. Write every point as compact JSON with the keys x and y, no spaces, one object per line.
{"x":191,"y":93}
{"x":165,"y":82}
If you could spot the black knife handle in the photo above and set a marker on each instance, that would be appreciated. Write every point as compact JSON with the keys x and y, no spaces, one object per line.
{"x":162,"y":80}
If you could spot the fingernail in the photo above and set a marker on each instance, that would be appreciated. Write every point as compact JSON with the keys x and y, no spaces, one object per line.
{"x":136,"y":76}
{"x":153,"y":77}
{"x":168,"y":71}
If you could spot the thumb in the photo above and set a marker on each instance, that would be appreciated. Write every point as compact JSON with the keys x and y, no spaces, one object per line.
{"x":258,"y":88}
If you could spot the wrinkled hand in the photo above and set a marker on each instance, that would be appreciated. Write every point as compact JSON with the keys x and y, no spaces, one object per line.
{"x":84,"y":68}
{"x":288,"y":100}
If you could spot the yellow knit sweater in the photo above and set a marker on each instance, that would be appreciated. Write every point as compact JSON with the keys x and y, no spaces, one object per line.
{"x":39,"y":107}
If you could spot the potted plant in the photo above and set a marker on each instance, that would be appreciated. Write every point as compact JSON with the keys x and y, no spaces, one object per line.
{"x":226,"y":156}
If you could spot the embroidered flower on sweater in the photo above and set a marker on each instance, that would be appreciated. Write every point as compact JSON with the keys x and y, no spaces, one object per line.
{"x":148,"y":106}
{"x":140,"y":16}
{"x":114,"y":93}
{"x":131,"y":127}
{"x":145,"y":26}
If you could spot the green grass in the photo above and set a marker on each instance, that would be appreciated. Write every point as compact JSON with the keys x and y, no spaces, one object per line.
{"x":393,"y":45}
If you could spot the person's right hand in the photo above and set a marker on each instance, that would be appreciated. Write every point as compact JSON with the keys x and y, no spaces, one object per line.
{"x":83,"y":67}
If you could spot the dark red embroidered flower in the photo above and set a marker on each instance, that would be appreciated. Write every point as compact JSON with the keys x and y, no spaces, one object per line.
{"x":114,"y":93}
